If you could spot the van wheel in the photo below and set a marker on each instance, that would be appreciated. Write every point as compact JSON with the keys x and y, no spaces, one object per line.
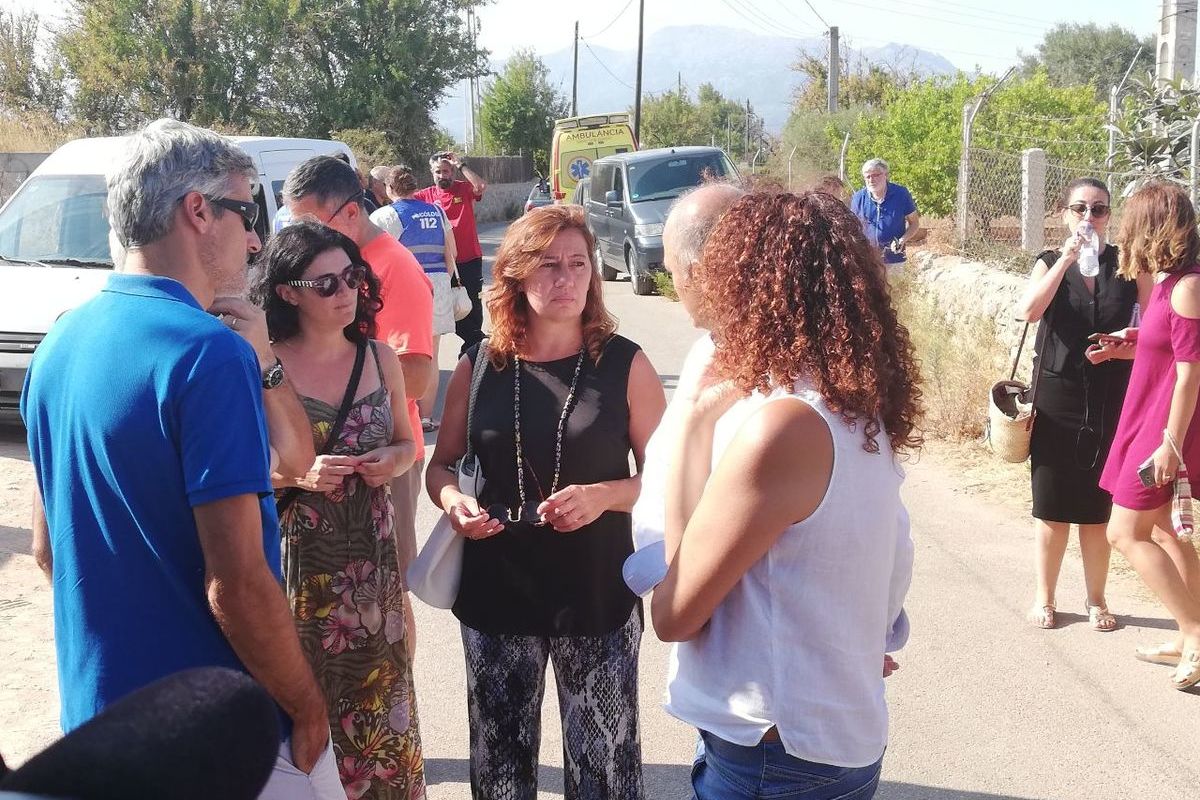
{"x":606,"y":272}
{"x":642,"y":284}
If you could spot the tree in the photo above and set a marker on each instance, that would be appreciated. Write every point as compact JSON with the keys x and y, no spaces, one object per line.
{"x":864,"y":84}
{"x":27,"y":84}
{"x":672,"y":119}
{"x":519,"y":109}
{"x":1154,"y":130}
{"x":1074,"y":54}
{"x":298,"y":67}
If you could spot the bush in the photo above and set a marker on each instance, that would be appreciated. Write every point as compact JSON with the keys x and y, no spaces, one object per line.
{"x":664,"y":285}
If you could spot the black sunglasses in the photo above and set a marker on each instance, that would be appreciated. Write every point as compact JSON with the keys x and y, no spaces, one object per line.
{"x":354,"y":198}
{"x":247,"y":209}
{"x":327,"y":285}
{"x":1099,"y":210}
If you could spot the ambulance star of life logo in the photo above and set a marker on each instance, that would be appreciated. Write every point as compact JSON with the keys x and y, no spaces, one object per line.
{"x":580,"y":168}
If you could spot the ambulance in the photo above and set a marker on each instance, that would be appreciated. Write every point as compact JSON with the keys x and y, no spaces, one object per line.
{"x":578,"y":141}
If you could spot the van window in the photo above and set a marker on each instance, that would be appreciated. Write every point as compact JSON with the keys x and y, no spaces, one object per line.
{"x":670,"y":176}
{"x":57,"y":217}
{"x":619,"y":182}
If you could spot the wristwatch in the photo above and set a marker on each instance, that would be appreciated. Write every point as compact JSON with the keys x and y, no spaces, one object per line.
{"x":273,"y":376}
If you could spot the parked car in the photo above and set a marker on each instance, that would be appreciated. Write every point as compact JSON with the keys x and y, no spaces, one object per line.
{"x":54,"y":248}
{"x":628,"y":200}
{"x":539,"y":196}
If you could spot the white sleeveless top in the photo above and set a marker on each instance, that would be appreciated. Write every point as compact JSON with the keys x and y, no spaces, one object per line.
{"x":798,"y":643}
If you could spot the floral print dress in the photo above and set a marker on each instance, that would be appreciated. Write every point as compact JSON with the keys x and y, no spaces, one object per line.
{"x":342,"y":580}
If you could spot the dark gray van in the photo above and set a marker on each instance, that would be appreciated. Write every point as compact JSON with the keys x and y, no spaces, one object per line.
{"x":628,"y":200}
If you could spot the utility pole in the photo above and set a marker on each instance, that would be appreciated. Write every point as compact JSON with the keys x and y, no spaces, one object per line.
{"x":835,"y":68}
{"x":749,"y":113}
{"x":679,"y":84}
{"x":637,"y":100}
{"x":575,"y":74}
{"x":729,"y":134}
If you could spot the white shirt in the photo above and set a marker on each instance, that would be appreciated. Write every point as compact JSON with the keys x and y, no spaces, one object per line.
{"x":798,"y":643}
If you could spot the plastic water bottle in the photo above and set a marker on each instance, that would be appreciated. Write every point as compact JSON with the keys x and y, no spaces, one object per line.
{"x":1089,"y":253}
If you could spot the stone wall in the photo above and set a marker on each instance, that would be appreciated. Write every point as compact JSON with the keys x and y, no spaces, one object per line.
{"x":962,"y":289}
{"x":14,"y":168}
{"x":502,"y":201}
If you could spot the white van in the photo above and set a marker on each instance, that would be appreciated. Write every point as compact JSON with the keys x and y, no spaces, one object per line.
{"x":54,"y":251}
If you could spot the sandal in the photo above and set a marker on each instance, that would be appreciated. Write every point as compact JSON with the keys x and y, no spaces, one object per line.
{"x":1164,"y":654}
{"x":1187,"y":674}
{"x":429,"y":425}
{"x":1043,"y":617}
{"x":1100,"y":618}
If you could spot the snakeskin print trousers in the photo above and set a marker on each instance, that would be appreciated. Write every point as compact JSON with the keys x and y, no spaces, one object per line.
{"x":597,"y":700}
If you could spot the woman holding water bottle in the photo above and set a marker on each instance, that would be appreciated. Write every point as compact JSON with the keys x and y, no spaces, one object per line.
{"x":1075,"y":292}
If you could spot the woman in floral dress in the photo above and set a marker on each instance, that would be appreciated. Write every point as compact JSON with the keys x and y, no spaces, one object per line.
{"x":339,"y":554}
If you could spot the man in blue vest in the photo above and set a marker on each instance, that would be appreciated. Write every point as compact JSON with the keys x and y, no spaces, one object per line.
{"x":425,"y":230}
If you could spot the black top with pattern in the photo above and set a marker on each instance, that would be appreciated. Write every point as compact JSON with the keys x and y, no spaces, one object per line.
{"x":534,"y":581}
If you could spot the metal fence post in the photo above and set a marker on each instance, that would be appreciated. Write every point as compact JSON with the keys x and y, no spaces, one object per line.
{"x":1194,"y":152}
{"x":842,"y":156}
{"x":1033,"y":199}
{"x":791,"y":155}
{"x":964,"y":172}
{"x":1110,"y":158}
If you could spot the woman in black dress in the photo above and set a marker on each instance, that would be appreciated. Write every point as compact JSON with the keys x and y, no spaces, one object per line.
{"x":1082,"y":386}
{"x":562,"y":404}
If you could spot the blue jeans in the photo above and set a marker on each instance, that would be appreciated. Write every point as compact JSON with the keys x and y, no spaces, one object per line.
{"x":727,"y":771}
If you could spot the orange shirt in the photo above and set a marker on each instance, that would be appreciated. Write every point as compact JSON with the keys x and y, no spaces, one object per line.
{"x":406,"y":320}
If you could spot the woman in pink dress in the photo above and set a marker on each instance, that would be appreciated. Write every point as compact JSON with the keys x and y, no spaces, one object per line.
{"x":1159,"y":418}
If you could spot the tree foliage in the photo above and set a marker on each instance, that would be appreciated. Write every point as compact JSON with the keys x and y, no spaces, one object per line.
{"x":28,"y":84}
{"x":862,"y":85}
{"x":519,"y":108}
{"x":1154,"y":129}
{"x":919,"y":133}
{"x":674,"y":119}
{"x":281,"y":67}
{"x":1075,"y":54}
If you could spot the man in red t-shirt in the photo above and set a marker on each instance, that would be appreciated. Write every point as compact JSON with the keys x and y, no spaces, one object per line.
{"x":328,"y":190}
{"x":458,"y":198}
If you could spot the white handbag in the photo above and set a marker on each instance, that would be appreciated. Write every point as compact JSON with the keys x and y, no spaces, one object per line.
{"x":436,"y":573}
{"x":462,"y":300}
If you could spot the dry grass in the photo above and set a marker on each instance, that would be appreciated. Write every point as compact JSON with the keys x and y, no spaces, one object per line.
{"x":959,"y":361}
{"x":33,"y":133}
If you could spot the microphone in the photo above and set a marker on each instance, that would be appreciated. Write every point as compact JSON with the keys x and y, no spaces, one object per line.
{"x":200,"y":734}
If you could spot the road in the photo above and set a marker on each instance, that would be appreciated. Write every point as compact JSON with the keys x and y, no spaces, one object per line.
{"x":984,"y":706}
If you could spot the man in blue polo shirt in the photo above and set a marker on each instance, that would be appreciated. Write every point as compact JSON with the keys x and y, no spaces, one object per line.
{"x":887,"y":210}
{"x":147,"y":431}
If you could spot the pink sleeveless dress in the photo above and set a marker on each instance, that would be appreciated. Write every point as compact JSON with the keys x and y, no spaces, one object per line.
{"x":1164,"y":339}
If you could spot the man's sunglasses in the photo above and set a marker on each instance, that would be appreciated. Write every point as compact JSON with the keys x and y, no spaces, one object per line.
{"x":1099,"y":210}
{"x":354,"y":198}
{"x":247,"y":210}
{"x":327,"y":285}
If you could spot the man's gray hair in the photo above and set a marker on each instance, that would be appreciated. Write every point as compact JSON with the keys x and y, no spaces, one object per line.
{"x":692,"y":231}
{"x":874,"y":163}
{"x":380,"y":173}
{"x":325,"y":178}
{"x":163,"y":162}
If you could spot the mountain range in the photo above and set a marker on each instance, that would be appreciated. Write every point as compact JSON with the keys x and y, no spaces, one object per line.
{"x":740,"y":64}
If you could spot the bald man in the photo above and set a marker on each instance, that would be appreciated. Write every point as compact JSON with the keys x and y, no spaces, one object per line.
{"x":692,"y":219}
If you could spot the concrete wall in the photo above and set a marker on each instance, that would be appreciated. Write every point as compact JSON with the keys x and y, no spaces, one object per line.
{"x":502,"y":201}
{"x":14,"y":168}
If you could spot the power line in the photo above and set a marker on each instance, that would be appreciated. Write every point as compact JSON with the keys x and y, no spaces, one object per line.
{"x":985,"y":15}
{"x":974,"y":25}
{"x":762,"y":22}
{"x":817,"y":13}
{"x":620,"y":14}
{"x":601,"y":63}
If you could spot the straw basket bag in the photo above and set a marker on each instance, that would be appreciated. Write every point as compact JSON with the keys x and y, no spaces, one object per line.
{"x":1010,"y":412}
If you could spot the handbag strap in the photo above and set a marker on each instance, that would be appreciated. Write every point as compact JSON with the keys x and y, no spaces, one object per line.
{"x":477,"y":371}
{"x":289,"y":496}
{"x":1012,"y":374}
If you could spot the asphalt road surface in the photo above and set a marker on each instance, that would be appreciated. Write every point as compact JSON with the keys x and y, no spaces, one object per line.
{"x":984,"y":706}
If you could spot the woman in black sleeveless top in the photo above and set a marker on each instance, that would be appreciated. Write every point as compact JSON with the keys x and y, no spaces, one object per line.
{"x":1078,"y":401}
{"x":562,"y":404}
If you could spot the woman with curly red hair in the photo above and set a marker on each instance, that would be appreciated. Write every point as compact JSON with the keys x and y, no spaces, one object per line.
{"x":786,"y":537}
{"x":562,"y":403}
